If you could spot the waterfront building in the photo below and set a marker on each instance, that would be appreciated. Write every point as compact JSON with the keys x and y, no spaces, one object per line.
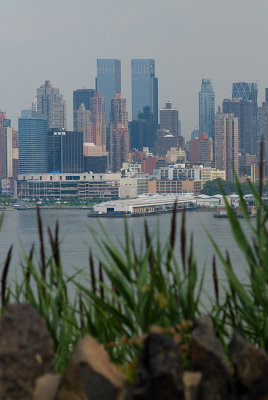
{"x":51,"y":104}
{"x":83,"y":186}
{"x":248,"y":92}
{"x":65,"y":151}
{"x":144,"y":88}
{"x":166,"y":186}
{"x":243,"y":110}
{"x":226,"y":144}
{"x":119,"y":135}
{"x":81,"y":96}
{"x":108,"y":81}
{"x":180,"y":172}
{"x":62,"y":185}
{"x":169,"y":119}
{"x":206,"y":108}
{"x":32,"y":142}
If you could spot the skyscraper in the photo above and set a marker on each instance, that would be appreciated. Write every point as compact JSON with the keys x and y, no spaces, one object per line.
{"x":119,"y":135}
{"x":81,"y":96}
{"x":226,"y":143}
{"x":51,"y":104}
{"x":65,"y":151}
{"x":98,"y":121}
{"x":206,"y":108}
{"x":4,"y":144}
{"x":248,"y":92}
{"x":84,"y":123}
{"x":143,"y":130}
{"x":108,"y":81}
{"x":32,"y":142}
{"x":266,"y":95}
{"x":243,"y":110}
{"x":169,"y":119}
{"x":144,"y":87}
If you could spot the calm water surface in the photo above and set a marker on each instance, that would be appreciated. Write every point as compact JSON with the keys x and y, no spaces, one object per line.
{"x":20,"y":228}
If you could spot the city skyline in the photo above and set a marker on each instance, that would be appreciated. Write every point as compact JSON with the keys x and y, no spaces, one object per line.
{"x":32,"y":33}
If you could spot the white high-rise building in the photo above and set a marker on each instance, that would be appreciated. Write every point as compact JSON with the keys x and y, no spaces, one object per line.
{"x":51,"y":104}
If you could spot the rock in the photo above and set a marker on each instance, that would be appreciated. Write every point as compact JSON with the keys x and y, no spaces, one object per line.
{"x":46,"y":387}
{"x":208,"y":357}
{"x":26,"y":351}
{"x":251,"y":369}
{"x":191,"y":381}
{"x":159,"y":372}
{"x":91,"y":375}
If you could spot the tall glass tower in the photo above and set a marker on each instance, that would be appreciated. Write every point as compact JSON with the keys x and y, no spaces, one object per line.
{"x":144,"y":87}
{"x":206,"y":108}
{"x":108,"y":81}
{"x":249,"y":92}
{"x":32,"y":142}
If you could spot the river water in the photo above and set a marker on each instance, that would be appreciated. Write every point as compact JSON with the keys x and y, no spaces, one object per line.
{"x":20,"y":229}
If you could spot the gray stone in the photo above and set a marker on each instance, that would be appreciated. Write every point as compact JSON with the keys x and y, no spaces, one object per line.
{"x":251,"y":369}
{"x":208,"y":358}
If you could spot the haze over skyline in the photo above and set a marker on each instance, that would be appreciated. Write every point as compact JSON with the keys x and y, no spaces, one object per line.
{"x":60,"y":41}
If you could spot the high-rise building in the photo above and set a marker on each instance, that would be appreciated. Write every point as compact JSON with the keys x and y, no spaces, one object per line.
{"x":143,"y":131}
{"x":32,"y":142}
{"x":201,"y":149}
{"x":2,"y":145}
{"x":81,"y":96}
{"x":119,"y":135}
{"x":98,"y":121}
{"x":206,"y":108}
{"x":263,"y":127}
{"x":266,"y":95}
{"x":169,"y":119}
{"x":84,"y":123}
{"x":108,"y":81}
{"x":144,"y":87}
{"x":51,"y":104}
{"x":226,"y":143}
{"x":243,"y":110}
{"x":65,"y":151}
{"x":248,"y":92}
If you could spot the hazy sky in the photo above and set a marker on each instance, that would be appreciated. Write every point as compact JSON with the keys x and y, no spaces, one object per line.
{"x":60,"y":40}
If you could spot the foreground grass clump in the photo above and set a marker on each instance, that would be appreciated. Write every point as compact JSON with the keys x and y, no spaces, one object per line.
{"x":129,"y":291}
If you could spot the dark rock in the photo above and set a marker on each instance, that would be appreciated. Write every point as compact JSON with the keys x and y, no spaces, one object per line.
{"x":159,"y":372}
{"x":26,"y":351}
{"x":251,"y":369}
{"x":91,"y":375}
{"x":208,"y":357}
